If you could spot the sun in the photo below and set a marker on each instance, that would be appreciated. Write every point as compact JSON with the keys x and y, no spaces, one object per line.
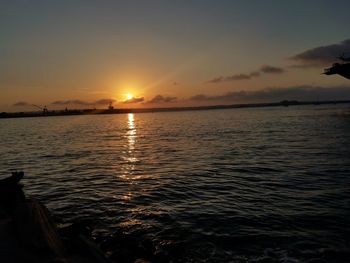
{"x":129,"y":96}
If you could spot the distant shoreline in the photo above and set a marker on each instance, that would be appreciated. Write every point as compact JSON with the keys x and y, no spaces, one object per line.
{"x":285,"y":103}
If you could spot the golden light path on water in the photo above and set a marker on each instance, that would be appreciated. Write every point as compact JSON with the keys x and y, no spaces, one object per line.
{"x":131,"y":134}
{"x":130,"y":159}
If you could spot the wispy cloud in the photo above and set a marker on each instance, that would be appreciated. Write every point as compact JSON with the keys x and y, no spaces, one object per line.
{"x":162,"y":99}
{"x":302,"y":93}
{"x":82,"y":102}
{"x":21,"y":104}
{"x":264,"y":69}
{"x":241,"y":76}
{"x":321,"y":56}
{"x":69,"y":102}
{"x":134,"y":100}
{"x":271,"y":69}
{"x":104,"y":101}
{"x":229,"y":96}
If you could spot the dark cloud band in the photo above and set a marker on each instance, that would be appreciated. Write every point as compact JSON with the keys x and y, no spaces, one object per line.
{"x":302,"y":93}
{"x":264,"y":69}
{"x":21,"y":104}
{"x":321,"y":56}
{"x":162,"y":99}
{"x":82,"y":103}
{"x":134,"y":100}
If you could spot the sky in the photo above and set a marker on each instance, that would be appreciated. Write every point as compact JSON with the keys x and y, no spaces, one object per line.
{"x":83,"y":54}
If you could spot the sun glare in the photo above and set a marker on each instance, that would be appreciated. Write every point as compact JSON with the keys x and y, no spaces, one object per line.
{"x":129,"y":96}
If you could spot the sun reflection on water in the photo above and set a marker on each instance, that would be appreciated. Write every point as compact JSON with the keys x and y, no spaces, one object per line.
{"x":130,"y":158}
{"x":131,"y":133}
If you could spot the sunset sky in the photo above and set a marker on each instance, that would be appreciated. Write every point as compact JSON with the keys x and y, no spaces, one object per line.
{"x":79,"y":54}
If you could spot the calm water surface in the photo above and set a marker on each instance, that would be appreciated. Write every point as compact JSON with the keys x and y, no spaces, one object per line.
{"x":241,"y":185}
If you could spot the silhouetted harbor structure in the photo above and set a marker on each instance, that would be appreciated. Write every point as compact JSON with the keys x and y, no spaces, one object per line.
{"x":112,"y":110}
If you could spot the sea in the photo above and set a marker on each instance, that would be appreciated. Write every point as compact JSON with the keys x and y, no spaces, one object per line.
{"x":236,"y":185}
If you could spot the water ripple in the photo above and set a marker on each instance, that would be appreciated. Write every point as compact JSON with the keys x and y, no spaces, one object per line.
{"x":244,"y":185}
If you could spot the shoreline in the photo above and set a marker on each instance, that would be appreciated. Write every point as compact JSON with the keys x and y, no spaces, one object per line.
{"x":285,"y":103}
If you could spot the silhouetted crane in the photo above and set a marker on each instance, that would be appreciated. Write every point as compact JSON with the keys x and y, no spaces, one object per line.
{"x":110,"y":105}
{"x":44,"y":109}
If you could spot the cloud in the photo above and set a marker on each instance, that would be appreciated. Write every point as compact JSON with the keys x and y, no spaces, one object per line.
{"x":302,"y":93}
{"x":134,"y":100}
{"x":271,"y":70}
{"x":321,"y":56}
{"x":264,"y":69}
{"x":229,"y":96}
{"x":242,"y":76}
{"x":162,"y":99}
{"x":105,"y":101}
{"x":216,"y":80}
{"x":82,"y":103}
{"x":21,"y":104}
{"x":68,"y":102}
